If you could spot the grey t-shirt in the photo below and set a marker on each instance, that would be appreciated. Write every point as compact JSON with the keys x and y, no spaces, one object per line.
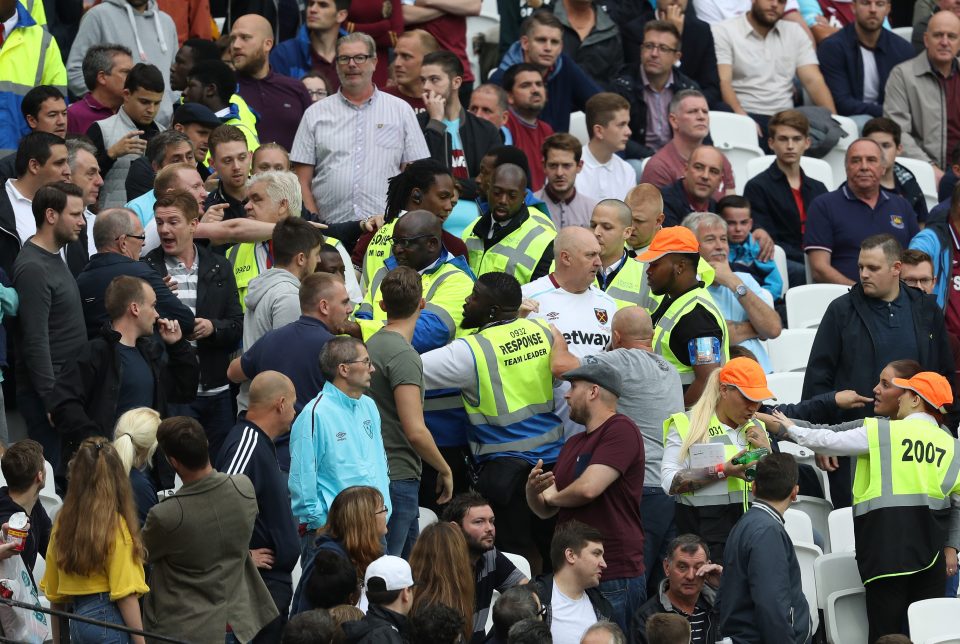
{"x":651,"y":393}
{"x":397,"y":363}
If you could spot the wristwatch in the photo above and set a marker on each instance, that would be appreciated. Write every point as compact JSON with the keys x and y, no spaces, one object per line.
{"x":741,"y":290}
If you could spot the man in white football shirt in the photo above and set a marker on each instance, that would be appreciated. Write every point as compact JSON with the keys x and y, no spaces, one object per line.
{"x":570,"y":299}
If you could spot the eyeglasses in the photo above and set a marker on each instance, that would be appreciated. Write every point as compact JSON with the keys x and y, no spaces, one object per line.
{"x":359,"y":59}
{"x":365,"y":361}
{"x":919,"y":282}
{"x":407,"y":242}
{"x":140,"y":237}
{"x":382,"y":510}
{"x":663,"y":49}
{"x":317,"y":93}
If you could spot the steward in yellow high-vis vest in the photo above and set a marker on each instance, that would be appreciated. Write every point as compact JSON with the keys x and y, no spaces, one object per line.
{"x":447,"y":281}
{"x":511,"y":237}
{"x":712,"y":497}
{"x":689,"y":330}
{"x":29,"y":57}
{"x":906,"y":517}
{"x":623,"y":277}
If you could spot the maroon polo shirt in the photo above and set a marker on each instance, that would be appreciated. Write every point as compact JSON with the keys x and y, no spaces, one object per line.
{"x":279,"y":102}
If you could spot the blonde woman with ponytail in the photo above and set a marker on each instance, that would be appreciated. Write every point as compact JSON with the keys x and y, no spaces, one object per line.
{"x":135,"y":439}
{"x":711,"y":499}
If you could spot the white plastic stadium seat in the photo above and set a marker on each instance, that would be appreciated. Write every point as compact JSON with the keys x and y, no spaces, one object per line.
{"x":923,"y":172}
{"x":578,"y":127}
{"x":780,"y":261}
{"x":520,"y":562}
{"x":798,"y":526}
{"x":427,"y":517}
{"x":736,"y":136}
{"x":806,"y":304}
{"x":847,"y":622}
{"x":841,"y":530}
{"x":835,"y":572}
{"x":904,"y":32}
{"x":807,"y":555}
{"x":817,"y":509}
{"x":934,"y":619}
{"x":482,"y":24}
{"x":790,"y":351}
{"x":787,"y":387}
{"x":836,"y":156}
{"x":814,"y":168}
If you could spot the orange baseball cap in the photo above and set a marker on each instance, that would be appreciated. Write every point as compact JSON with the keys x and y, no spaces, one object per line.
{"x":747,"y":376}
{"x":930,"y":386}
{"x":675,"y":239}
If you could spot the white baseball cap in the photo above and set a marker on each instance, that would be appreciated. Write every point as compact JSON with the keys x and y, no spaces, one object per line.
{"x":392,"y":572}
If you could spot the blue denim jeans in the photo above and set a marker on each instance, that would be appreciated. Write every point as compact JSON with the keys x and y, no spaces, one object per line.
{"x":96,"y":606}
{"x":216,"y":415}
{"x":403,"y":528}
{"x":656,"y":512}
{"x":625,"y":595}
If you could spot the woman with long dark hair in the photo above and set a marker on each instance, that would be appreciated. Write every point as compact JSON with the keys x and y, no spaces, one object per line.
{"x":440,"y":562}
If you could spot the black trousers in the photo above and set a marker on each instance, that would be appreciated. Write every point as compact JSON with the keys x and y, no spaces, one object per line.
{"x":889,"y":598}
{"x":282,"y":594}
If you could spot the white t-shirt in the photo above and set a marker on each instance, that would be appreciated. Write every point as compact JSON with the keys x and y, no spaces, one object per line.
{"x":585,"y":319}
{"x":713,"y":11}
{"x":871,"y":76}
{"x":570,"y":618}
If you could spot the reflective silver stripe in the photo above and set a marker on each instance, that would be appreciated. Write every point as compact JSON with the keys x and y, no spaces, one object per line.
{"x":436,"y":284}
{"x":232,"y":253}
{"x":444,"y":316}
{"x":900,"y":501}
{"x":519,"y":255}
{"x":667,"y":324}
{"x":711,"y":499}
{"x":886,"y":461}
{"x":30,"y":6}
{"x":473,"y":244}
{"x":946,"y":486}
{"x":366,"y":307}
{"x":505,"y":419}
{"x":377,"y":280}
{"x":44,"y":43}
{"x":14,"y":88}
{"x":622,"y":294}
{"x":524,"y":445}
{"x":443,"y":403}
{"x":496,"y":382}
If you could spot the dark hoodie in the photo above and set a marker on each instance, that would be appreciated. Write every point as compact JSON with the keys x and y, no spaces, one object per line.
{"x":379,"y":626}
{"x":40,"y":526}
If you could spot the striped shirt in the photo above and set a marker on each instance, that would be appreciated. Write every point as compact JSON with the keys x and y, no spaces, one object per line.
{"x":354,"y":150}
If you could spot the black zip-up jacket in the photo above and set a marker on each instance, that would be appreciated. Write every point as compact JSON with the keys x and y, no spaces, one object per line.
{"x":843,"y":355}
{"x":661,"y":604}
{"x":217,"y":301}
{"x":629,"y":85}
{"x":379,"y":626}
{"x":600,"y":54}
{"x":88,"y":388}
{"x":477,"y":136}
{"x":40,"y":527}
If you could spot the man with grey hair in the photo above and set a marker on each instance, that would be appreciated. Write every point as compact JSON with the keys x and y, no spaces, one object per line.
{"x":746,"y":306}
{"x":169,"y":146}
{"x":689,"y":118}
{"x":118,"y":237}
{"x":105,"y":68}
{"x":346,"y":148}
{"x":604,"y":632}
{"x":514,"y":604}
{"x":838,"y":221}
{"x":85,"y":174}
{"x":335,"y":442}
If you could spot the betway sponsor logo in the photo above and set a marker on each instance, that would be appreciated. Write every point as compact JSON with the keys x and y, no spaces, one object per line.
{"x":587,"y":339}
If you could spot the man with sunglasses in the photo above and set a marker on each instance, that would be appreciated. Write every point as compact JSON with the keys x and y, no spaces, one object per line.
{"x":348,"y":146}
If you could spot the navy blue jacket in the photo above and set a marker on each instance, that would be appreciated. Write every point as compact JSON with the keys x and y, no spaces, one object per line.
{"x":248,"y":450}
{"x":629,"y":85}
{"x":773,"y":208}
{"x":756,"y":606}
{"x":100,"y":271}
{"x":676,"y":204}
{"x":842,"y":68}
{"x":292,"y":57}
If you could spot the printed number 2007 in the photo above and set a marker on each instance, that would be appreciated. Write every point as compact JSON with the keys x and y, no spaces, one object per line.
{"x":922,"y":452}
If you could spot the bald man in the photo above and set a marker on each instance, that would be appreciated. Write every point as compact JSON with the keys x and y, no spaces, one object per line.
{"x":249,"y":450}
{"x":646,"y":207}
{"x":651,"y":392}
{"x":621,"y":276}
{"x":447,"y":281}
{"x":695,"y":191}
{"x":279,"y":100}
{"x":930,"y":124}
{"x":510,"y":237}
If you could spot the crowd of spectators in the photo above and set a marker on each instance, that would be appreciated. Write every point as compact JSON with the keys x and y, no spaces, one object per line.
{"x":323,"y":324}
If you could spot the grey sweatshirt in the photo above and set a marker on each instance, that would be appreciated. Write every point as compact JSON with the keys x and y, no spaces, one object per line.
{"x":151,"y":36}
{"x":50,"y":329}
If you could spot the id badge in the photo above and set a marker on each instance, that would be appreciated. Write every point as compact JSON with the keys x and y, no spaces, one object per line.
{"x":704,"y":351}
